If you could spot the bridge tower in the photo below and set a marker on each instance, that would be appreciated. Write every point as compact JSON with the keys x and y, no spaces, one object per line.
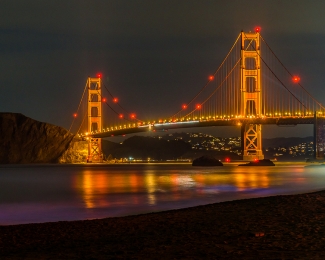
{"x":251,"y":134}
{"x":94,"y":119}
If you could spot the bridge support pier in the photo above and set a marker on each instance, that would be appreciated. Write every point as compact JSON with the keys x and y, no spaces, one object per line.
{"x":251,"y":142}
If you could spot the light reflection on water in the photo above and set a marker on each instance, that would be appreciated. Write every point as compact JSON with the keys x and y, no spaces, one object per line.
{"x":51,"y":193}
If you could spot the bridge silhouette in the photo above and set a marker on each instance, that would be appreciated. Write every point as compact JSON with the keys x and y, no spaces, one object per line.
{"x":250,"y":88}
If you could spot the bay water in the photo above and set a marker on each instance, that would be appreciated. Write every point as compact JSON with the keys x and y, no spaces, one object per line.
{"x":47,"y":193}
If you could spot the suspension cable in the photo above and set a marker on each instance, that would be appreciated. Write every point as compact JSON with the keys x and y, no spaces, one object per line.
{"x":78,"y":106}
{"x":278,"y":77}
{"x":224,"y":60}
{"x":216,"y":88}
{"x":315,"y":100}
{"x":119,"y":106}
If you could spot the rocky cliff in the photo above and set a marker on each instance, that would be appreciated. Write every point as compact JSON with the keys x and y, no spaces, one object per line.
{"x":24,"y":140}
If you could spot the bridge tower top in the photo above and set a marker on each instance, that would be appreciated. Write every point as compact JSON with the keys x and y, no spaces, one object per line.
{"x":250,"y":74}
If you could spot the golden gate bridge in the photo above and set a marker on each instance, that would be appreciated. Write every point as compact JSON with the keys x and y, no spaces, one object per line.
{"x":250,"y":88}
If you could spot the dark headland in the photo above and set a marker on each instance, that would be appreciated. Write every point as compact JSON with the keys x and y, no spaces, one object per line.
{"x":24,"y":140}
{"x":278,"y":227}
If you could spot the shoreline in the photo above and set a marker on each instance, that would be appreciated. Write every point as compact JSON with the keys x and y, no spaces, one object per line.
{"x":276,"y":227}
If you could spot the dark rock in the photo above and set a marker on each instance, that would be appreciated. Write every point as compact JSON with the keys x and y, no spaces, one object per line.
{"x":264,"y":162}
{"x":24,"y":140}
{"x":206,"y":161}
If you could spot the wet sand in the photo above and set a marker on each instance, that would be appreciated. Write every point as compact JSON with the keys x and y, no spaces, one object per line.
{"x":278,"y":227}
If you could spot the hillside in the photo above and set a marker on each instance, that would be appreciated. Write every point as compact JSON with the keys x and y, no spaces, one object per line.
{"x":24,"y":140}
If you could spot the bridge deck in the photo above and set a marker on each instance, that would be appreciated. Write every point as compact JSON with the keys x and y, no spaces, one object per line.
{"x":204,"y":123}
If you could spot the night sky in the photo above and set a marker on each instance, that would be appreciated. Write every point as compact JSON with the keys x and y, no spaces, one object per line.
{"x":154,"y":55}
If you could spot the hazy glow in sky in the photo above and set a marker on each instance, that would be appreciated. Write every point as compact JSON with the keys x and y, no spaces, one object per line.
{"x":144,"y":48}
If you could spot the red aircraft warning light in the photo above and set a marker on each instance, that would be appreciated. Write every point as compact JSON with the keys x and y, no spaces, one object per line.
{"x":198,"y":106}
{"x":132,"y":116}
{"x":104,"y":100}
{"x":257,"y":29}
{"x":99,"y":75}
{"x":115,"y":100}
{"x":211,"y":78}
{"x":75,"y":115}
{"x":184,"y":106}
{"x":296,"y":79}
{"x":227,"y":159}
{"x":120,"y":116}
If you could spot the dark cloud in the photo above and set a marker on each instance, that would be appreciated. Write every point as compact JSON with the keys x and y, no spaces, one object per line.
{"x":145,"y":49}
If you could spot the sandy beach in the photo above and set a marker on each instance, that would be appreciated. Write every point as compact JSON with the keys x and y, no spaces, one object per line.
{"x":278,"y":227}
